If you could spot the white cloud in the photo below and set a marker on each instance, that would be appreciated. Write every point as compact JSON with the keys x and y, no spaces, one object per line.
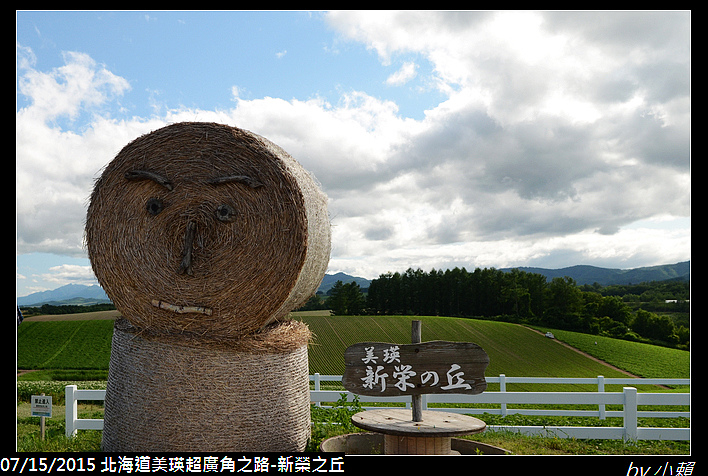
{"x":70,"y":273}
{"x":81,"y":84}
{"x":550,"y":132}
{"x":403,"y":75}
{"x":55,"y":167}
{"x":552,"y":142}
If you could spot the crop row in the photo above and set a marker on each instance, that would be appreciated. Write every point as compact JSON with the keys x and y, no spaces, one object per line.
{"x":514,"y":350}
{"x":84,"y":344}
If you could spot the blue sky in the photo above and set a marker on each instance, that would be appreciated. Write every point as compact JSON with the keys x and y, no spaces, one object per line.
{"x":195,"y":59}
{"x":442,"y":139}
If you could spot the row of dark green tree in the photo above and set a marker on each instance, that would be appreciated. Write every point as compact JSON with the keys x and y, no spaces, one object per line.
{"x":515,"y":296}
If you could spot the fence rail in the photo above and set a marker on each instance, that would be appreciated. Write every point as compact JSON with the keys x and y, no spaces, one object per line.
{"x":629,"y":399}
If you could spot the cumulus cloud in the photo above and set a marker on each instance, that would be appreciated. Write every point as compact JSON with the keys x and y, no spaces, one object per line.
{"x":56,"y":165}
{"x":403,"y":75}
{"x":79,"y":85}
{"x":558,"y":131}
{"x":550,"y":130}
{"x":70,"y":273}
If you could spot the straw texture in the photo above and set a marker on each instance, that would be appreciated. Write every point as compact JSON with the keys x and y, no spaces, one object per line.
{"x":167,"y":397}
{"x":207,"y":230}
{"x":205,"y":237}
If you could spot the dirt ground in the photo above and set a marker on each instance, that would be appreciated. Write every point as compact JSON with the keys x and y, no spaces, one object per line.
{"x":82,"y":316}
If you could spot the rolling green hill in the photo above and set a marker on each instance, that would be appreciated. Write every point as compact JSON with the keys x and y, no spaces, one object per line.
{"x":644,"y":360}
{"x":513,"y":350}
{"x":80,"y":344}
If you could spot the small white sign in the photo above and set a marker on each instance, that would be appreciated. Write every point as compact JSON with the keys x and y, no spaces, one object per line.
{"x":42,"y":406}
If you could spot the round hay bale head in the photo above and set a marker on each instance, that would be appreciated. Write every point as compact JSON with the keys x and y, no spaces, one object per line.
{"x":168,"y":397}
{"x":204,"y":228}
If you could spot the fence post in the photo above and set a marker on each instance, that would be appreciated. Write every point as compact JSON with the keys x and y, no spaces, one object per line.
{"x":70,"y":412}
{"x":502,"y":388}
{"x":630,"y":413}
{"x":317,"y":387}
{"x":601,"y":388}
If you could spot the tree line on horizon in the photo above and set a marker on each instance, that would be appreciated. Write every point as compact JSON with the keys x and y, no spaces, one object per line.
{"x":522,"y":297}
{"x":58,"y":309}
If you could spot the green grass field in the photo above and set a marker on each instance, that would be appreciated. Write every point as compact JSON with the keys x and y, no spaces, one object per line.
{"x":83,"y":344}
{"x":513,"y":350}
{"x":644,"y":360}
{"x":68,"y":351}
{"x":71,"y":345}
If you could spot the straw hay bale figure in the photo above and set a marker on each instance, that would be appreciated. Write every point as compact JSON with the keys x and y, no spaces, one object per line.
{"x":205,"y":237}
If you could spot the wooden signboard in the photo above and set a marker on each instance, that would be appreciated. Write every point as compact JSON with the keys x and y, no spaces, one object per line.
{"x":384,"y":369}
{"x":41,"y":406}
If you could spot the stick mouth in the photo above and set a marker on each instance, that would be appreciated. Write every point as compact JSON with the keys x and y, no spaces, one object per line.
{"x":181,"y":309}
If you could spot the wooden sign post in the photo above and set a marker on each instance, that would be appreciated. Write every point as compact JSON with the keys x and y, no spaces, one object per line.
{"x":385,"y":369}
{"x":42,"y":407}
{"x":417,"y":399}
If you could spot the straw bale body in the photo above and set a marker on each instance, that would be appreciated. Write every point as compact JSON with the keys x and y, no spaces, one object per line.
{"x":165,"y":396}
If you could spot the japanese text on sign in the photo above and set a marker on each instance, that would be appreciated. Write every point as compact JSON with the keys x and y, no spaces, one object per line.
{"x":403,"y":373}
{"x":374,"y":368}
{"x":41,"y":406}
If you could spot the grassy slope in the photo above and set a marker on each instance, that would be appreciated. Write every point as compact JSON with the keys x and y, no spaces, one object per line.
{"x":84,"y":344}
{"x":513,"y":350}
{"x":644,"y":360}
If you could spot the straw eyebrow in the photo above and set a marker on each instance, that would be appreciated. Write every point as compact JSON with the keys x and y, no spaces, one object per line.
{"x":250,"y":181}
{"x":145,"y":174}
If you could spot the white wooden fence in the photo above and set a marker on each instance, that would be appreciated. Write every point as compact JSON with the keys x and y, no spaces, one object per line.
{"x":73,"y":396}
{"x":629,"y":399}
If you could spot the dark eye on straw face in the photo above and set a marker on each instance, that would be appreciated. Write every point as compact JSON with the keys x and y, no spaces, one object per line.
{"x":154,"y":206}
{"x":225,"y":213}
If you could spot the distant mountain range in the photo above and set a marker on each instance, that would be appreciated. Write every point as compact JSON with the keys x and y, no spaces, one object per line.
{"x":583,"y":274}
{"x":330,"y":279}
{"x":79,"y":294}
{"x":70,"y":294}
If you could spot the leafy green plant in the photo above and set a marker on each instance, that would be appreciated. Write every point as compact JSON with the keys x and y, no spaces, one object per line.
{"x":55,"y":389}
{"x":336,"y":420}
